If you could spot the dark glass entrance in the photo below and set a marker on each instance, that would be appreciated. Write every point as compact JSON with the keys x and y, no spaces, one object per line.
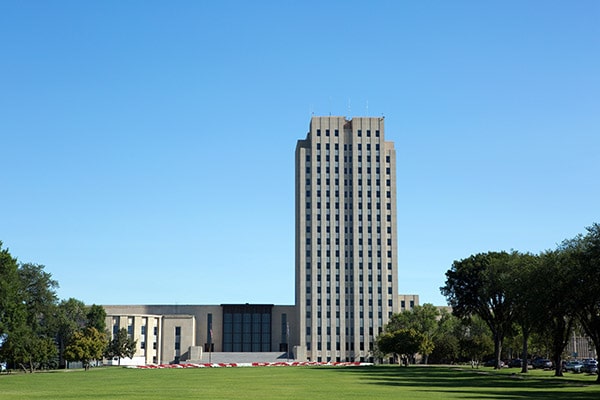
{"x":247,"y":327}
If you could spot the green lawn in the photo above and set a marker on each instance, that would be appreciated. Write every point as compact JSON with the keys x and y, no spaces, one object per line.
{"x":380,"y":382}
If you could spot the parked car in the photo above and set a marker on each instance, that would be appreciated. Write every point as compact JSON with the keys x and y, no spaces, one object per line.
{"x":515,"y":363}
{"x":574,"y":366}
{"x":492,"y":363}
{"x":542,"y":363}
{"x":590,"y":366}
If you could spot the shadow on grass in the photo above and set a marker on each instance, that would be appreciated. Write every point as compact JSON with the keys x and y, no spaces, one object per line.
{"x":475,"y":384}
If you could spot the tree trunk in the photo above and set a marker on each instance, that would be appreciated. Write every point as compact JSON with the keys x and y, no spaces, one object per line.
{"x":497,"y":350}
{"x":557,"y":366}
{"x":560,"y":341}
{"x":524,"y":355}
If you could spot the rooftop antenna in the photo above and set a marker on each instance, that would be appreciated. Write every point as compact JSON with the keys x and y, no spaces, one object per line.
{"x":349,"y":110}
{"x":367,"y":108}
{"x":330,"y":106}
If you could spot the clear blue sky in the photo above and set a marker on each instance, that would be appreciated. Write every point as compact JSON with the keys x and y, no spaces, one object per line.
{"x":147,"y":147}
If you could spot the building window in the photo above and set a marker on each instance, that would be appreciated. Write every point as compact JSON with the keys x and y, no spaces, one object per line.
{"x":247,"y":328}
{"x":177,"y":339}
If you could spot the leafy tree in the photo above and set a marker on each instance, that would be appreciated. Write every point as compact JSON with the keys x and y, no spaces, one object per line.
{"x":38,"y":294}
{"x":529,"y":299}
{"x":446,"y":339}
{"x":402,"y":342}
{"x":86,"y":346}
{"x":121,"y":346}
{"x":27,"y":349}
{"x":475,"y":339}
{"x":74,"y":316}
{"x":11,"y":310}
{"x":426,"y":323}
{"x":557,"y":279}
{"x":32,"y":322}
{"x":423,"y":319}
{"x":478,"y":285}
{"x":28,"y":299}
{"x":70,"y":318}
{"x":96,"y":317}
{"x":540,"y":342}
{"x":586,"y":251}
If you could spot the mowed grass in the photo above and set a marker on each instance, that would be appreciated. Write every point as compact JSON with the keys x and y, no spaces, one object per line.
{"x":378,"y":382}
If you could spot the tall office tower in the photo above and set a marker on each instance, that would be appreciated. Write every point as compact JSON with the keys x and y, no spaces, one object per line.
{"x":346,"y":245}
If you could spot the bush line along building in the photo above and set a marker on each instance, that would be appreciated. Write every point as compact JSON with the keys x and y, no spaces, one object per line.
{"x":346,"y":270}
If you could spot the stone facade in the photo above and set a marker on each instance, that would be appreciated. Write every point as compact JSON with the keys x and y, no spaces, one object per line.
{"x":346,"y":265}
{"x":176,"y":333}
{"x":346,"y":244}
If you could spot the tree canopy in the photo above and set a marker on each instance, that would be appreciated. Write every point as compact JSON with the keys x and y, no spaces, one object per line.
{"x":479,"y":285}
{"x":35,"y":327}
{"x":545,"y":295}
{"x":421,"y":319}
{"x":121,"y":346}
{"x":11,"y":311}
{"x":86,"y":346}
{"x":402,"y":342}
{"x":585,"y":250}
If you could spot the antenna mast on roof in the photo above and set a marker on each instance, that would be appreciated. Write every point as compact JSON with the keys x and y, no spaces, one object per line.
{"x":349,"y":110}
